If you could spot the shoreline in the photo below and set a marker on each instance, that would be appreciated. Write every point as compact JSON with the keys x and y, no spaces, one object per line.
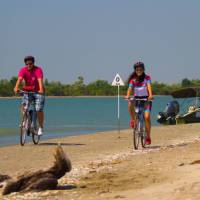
{"x":61,"y":136}
{"x":63,"y":97}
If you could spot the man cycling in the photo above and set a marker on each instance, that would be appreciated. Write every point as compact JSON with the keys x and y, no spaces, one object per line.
{"x":140,"y":86}
{"x":33,"y":78}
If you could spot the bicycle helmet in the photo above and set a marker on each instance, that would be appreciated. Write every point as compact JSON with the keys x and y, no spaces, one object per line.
{"x":29,"y":58}
{"x":139,"y":64}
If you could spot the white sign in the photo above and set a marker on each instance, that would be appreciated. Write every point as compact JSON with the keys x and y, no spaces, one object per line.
{"x":117,"y":81}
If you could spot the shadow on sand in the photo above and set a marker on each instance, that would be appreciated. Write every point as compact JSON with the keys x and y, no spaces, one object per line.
{"x":168,"y":146}
{"x":66,"y":187}
{"x":62,"y":144}
{"x":153,"y":147}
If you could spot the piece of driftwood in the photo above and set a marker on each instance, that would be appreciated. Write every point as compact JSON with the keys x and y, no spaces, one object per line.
{"x":3,"y":178}
{"x":42,"y":179}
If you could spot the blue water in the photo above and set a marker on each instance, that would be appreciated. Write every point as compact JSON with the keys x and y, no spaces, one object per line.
{"x":72,"y":116}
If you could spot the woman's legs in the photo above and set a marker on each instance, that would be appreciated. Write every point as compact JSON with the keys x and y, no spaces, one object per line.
{"x":131,"y":110}
{"x":132,"y":114}
{"x":147,"y":123}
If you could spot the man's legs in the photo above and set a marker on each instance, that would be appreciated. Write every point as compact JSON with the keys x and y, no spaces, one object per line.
{"x":40,"y":117}
{"x":39,"y":106}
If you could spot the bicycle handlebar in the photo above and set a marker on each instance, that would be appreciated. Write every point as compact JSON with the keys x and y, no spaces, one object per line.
{"x":137,"y":99}
{"x":26,"y":92}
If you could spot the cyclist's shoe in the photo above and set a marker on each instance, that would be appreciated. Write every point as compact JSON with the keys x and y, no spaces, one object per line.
{"x":40,"y":131}
{"x":132,"y":123}
{"x":148,"y":141}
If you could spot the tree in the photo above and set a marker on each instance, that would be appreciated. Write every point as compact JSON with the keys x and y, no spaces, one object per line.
{"x":186,"y":83}
{"x":79,"y":86}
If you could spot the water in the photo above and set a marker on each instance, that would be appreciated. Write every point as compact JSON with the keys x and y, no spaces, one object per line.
{"x":72,"y":116}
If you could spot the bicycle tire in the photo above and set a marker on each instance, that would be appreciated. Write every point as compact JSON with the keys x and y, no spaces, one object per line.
{"x":136,"y":135}
{"x":35,"y":136}
{"x":143,"y":141}
{"x":23,"y":130}
{"x":143,"y":135}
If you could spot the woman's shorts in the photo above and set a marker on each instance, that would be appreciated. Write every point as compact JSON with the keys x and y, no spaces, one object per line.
{"x":147,"y":106}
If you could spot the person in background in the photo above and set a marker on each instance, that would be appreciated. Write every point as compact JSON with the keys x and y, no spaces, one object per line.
{"x":140,"y":86}
{"x":32,"y":76}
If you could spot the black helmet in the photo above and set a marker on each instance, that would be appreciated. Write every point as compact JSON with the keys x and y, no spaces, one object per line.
{"x":139,"y":64}
{"x":31,"y":58}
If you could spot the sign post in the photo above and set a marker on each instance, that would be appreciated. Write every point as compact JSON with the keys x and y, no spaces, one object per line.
{"x":118,"y":82}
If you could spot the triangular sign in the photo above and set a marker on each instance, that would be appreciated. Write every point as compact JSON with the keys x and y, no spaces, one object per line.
{"x":117,"y":81}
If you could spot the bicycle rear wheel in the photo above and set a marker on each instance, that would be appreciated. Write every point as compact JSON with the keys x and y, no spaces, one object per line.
{"x":136,"y":136}
{"x":23,"y":129}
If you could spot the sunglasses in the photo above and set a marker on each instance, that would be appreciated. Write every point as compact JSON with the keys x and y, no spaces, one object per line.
{"x":29,"y":63}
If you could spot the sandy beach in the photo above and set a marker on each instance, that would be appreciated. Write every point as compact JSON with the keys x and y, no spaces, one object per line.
{"x":106,"y":167}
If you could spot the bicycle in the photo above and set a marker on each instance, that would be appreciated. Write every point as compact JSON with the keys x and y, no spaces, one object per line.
{"x":139,"y":130}
{"x":28,"y":125}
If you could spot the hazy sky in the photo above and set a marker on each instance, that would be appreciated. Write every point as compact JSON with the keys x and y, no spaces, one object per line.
{"x":99,"y":38}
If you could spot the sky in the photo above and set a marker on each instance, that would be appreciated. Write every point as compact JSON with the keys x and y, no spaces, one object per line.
{"x":98,"y":38}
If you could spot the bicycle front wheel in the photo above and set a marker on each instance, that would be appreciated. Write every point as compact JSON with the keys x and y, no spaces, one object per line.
{"x":35,"y":138}
{"x":23,"y":129}
{"x":34,"y":127}
{"x":143,"y":140}
{"x":136,"y":136}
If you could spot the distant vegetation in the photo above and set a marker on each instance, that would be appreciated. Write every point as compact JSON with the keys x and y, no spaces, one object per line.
{"x":95,"y":88}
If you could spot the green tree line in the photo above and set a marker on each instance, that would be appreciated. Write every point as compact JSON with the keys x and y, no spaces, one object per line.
{"x":95,"y":88}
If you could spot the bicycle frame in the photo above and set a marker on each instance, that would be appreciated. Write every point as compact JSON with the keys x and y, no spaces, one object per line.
{"x":30,"y":111}
{"x":139,"y":131}
{"x":29,"y":121}
{"x":139,"y":115}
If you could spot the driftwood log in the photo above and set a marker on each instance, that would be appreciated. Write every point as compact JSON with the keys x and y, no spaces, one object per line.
{"x":42,"y":179}
{"x":3,"y":178}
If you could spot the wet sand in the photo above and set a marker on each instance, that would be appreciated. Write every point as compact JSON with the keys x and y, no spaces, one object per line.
{"x":106,"y":167}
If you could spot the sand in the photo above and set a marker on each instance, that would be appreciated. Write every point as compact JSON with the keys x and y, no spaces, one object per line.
{"x":106,"y":167}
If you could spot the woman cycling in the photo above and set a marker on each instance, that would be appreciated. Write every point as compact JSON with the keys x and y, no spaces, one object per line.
{"x":140,"y":86}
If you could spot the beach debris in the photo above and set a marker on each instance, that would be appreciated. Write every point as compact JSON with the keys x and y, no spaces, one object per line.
{"x":3,"y":179}
{"x":195,"y":162}
{"x":42,"y":179}
{"x":119,"y":197}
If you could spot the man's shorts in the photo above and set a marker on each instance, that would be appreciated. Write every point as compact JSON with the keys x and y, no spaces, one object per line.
{"x":37,"y":99}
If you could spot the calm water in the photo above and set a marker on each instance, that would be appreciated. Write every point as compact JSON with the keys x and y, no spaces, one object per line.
{"x":72,"y":116}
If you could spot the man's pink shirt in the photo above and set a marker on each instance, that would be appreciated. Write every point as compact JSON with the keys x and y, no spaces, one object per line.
{"x":31,"y":76}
